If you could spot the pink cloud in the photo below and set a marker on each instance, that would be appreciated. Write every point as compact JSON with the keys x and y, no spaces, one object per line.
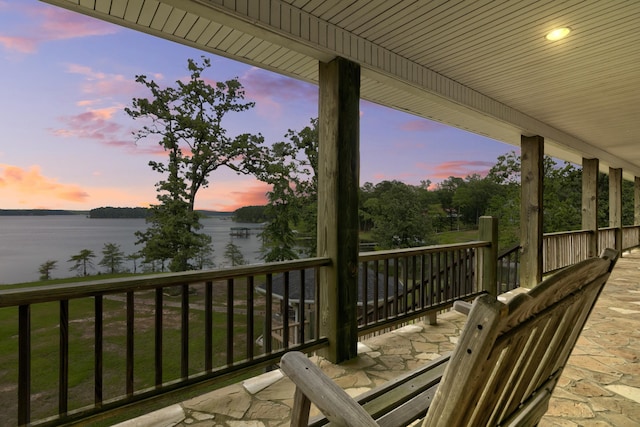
{"x":102,"y":84}
{"x":421,"y":125}
{"x":93,"y":124}
{"x":44,"y":23}
{"x":31,"y":183}
{"x":460,"y":168}
{"x":227,"y":197}
{"x":19,"y":44}
{"x":271,"y":91}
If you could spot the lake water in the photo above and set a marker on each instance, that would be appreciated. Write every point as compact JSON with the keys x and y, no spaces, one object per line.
{"x":28,"y":241}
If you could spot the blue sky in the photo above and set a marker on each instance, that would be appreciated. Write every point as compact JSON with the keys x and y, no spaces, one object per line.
{"x":66,"y":142}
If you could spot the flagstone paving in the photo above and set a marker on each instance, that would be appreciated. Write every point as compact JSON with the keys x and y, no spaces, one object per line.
{"x":600,"y":386}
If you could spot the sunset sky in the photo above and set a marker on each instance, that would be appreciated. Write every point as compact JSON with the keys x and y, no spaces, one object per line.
{"x":66,"y":142}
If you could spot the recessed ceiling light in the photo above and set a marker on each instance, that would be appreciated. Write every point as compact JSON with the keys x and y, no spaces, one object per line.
{"x":558,"y":33}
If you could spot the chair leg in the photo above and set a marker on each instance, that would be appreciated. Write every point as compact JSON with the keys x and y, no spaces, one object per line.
{"x":300,"y":411}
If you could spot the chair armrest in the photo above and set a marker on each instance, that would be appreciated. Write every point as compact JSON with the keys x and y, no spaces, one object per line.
{"x":462,"y":307}
{"x":313,"y":385}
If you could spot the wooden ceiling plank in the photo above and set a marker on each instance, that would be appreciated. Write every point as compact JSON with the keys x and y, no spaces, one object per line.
{"x":174,"y":19}
{"x":133,"y":10}
{"x":118,"y":7}
{"x":197,"y":29}
{"x":161,"y":16}
{"x":185,"y":25}
{"x":103,"y":6}
{"x":147,"y":13}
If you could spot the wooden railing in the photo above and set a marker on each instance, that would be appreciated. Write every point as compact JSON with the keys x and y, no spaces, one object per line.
{"x":95,"y":346}
{"x":508,"y":269}
{"x":630,"y":237}
{"x":568,"y":247}
{"x":565,"y":248}
{"x":112,"y":343}
{"x":400,"y":285}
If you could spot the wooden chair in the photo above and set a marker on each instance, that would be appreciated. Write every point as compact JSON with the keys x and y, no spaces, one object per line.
{"x":503,"y":370}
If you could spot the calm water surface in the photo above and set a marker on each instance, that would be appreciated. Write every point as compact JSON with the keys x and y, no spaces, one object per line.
{"x":27,"y":241}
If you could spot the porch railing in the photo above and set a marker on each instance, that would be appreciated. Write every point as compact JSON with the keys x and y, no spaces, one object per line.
{"x":95,"y":346}
{"x":115,"y":342}
{"x":508,"y":269}
{"x":401,"y":285}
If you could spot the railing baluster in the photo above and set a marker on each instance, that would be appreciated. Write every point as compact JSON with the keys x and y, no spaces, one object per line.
{"x":385,"y":307}
{"x":250,"y":334}
{"x":301,"y":309}
{"x":158,"y":336}
{"x":363,"y":291}
{"x":405,"y":278}
{"x":97,"y":350}
{"x":376,"y":291}
{"x":422,"y":281}
{"x":268,"y":315}
{"x":396,"y":288}
{"x":208,"y":326}
{"x":317,"y":307}
{"x":63,"y":371}
{"x":24,"y":364}
{"x":130,"y":355}
{"x":184,"y":332}
{"x":230,"y":321}
{"x":285,"y":309}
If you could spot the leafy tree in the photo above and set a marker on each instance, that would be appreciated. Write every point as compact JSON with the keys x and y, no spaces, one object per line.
{"x":291,"y":169}
{"x":204,"y":258}
{"x":46,"y":268}
{"x":187,"y":122}
{"x":505,"y":204}
{"x":112,"y":257}
{"x":82,"y":261}
{"x":446,"y":191}
{"x":134,"y":257}
{"x":472,"y":197}
{"x":233,"y":254}
{"x":400,"y":219}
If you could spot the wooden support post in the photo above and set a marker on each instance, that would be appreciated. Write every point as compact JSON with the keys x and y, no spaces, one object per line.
{"x":636,"y":201}
{"x":532,"y":172}
{"x":338,"y":186}
{"x":590,"y":203}
{"x":615,"y":205}
{"x":488,"y":231}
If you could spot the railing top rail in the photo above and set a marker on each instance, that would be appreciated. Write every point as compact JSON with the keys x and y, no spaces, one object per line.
{"x":630,"y":226}
{"x":560,"y":233}
{"x":393,"y":253}
{"x":47,"y":293}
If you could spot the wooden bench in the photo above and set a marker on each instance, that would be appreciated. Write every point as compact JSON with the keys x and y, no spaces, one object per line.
{"x":502,"y":371}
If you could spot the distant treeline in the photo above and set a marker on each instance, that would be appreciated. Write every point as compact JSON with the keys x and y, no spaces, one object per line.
{"x":254,"y":214}
{"x":36,"y":212}
{"x":109,"y":212}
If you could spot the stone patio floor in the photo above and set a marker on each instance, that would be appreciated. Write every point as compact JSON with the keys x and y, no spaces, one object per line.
{"x":599,"y":387}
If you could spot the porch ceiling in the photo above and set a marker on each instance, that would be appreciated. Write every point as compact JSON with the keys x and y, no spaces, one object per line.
{"x":483,"y":66}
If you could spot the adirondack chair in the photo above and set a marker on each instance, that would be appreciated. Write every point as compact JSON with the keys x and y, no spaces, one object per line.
{"x":502,"y":371}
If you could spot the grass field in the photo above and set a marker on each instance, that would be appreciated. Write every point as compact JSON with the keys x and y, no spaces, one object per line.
{"x":45,"y":346}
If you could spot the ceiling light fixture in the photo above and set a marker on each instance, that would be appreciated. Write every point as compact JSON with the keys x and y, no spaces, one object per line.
{"x":558,"y":33}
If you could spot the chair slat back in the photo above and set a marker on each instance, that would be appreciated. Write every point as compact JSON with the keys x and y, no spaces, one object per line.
{"x":510,"y":356}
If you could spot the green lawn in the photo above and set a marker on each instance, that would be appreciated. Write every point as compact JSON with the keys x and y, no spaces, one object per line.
{"x":45,"y":347}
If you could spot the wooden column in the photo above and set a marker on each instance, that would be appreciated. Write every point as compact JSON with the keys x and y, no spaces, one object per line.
{"x":532,"y":172}
{"x":488,"y":231}
{"x":615,"y":204}
{"x":636,"y":201}
{"x":590,"y":202}
{"x":338,"y":185}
